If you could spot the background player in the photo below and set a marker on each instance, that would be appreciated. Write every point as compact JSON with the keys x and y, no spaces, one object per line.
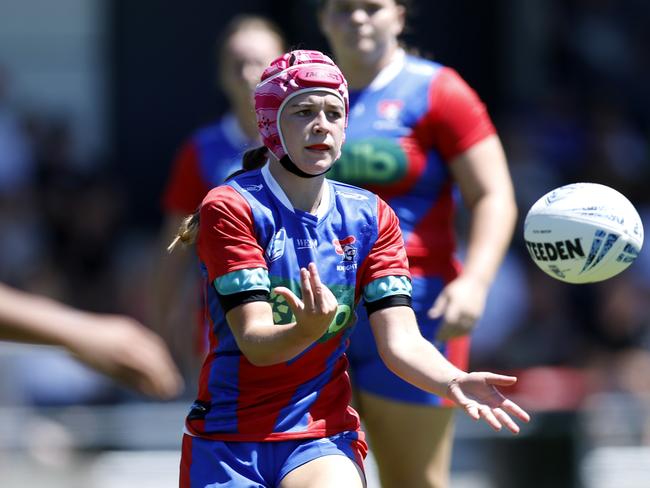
{"x":246,"y":46}
{"x":417,"y":130}
{"x":276,"y":370}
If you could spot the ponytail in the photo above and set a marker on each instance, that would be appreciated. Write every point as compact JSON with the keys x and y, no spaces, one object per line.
{"x":189,"y":228}
{"x":187,"y":232}
{"x":252,"y":159}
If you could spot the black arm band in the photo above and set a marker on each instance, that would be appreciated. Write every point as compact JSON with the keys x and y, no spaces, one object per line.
{"x":228,"y":302}
{"x":387,"y":302}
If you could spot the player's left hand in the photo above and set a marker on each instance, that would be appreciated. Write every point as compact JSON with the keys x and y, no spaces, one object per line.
{"x":460,"y":304}
{"x":477,"y":394}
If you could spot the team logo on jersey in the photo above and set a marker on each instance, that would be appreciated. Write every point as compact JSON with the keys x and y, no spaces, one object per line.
{"x":390,"y":109}
{"x":346,"y":248}
{"x":275,"y":249}
{"x":253,"y":187}
{"x":350,"y":196}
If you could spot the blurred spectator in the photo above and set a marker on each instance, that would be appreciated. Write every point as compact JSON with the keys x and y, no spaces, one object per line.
{"x":18,"y":216}
{"x":510,"y":291}
{"x":59,"y":229}
{"x":16,"y":161}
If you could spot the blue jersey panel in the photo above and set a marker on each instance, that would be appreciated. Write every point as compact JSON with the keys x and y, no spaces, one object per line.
{"x":220,"y":151}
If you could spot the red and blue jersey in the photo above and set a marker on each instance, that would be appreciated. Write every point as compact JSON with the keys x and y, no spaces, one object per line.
{"x":404,"y":129}
{"x":251,"y":238}
{"x":204,"y":161}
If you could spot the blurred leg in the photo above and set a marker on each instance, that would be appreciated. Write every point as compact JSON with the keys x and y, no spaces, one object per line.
{"x":411,"y":443}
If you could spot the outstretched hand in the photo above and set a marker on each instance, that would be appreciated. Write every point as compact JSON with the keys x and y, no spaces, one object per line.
{"x":315,"y":312}
{"x":478,"y":395}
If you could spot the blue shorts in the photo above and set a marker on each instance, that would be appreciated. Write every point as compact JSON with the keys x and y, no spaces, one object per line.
{"x":368,"y":371}
{"x":207,"y":463}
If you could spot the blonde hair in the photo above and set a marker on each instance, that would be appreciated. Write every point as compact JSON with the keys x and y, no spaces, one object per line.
{"x":186,"y":233}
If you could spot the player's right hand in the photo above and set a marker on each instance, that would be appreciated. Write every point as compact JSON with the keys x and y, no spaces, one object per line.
{"x":317,"y":309}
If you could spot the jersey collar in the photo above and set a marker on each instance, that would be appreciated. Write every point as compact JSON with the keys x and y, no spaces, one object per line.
{"x":389,"y":72}
{"x":278,"y":192}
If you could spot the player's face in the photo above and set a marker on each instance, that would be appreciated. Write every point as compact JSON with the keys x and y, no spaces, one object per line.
{"x":246,"y":55}
{"x":313,"y":128}
{"x":362,"y":27}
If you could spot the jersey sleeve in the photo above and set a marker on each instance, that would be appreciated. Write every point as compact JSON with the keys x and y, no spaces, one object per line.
{"x":387,"y":256}
{"x":185,"y":187}
{"x":457,"y":118}
{"x":226,"y":240}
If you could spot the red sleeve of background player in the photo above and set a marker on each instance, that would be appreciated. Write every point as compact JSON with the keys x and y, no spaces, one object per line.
{"x":226,"y":240}
{"x":185,"y":188}
{"x":457,"y":118}
{"x":388,"y":256}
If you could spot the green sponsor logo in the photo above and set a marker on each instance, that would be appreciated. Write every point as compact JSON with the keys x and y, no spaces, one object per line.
{"x":282,"y":313}
{"x":341,"y":319}
{"x":370,"y":161}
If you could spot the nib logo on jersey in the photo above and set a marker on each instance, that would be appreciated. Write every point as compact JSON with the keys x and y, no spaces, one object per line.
{"x":373,"y":161}
{"x":346,"y":248}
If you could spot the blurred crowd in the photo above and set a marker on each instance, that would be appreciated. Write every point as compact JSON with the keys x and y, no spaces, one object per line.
{"x":66,"y":233}
{"x":588,"y":120}
{"x":62,"y":222}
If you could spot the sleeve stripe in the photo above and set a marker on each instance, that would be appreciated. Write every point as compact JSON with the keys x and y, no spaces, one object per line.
{"x":243,"y":280}
{"x":387,"y":286}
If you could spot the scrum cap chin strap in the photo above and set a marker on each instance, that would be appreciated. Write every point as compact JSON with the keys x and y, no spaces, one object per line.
{"x":291,"y":167}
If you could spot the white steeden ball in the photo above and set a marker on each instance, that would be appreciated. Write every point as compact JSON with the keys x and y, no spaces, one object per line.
{"x":583,"y":233}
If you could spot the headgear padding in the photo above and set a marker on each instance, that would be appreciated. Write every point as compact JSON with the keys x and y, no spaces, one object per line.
{"x":289,"y":75}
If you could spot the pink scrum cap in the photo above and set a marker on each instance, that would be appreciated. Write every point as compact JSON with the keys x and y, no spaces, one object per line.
{"x":289,"y":75}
